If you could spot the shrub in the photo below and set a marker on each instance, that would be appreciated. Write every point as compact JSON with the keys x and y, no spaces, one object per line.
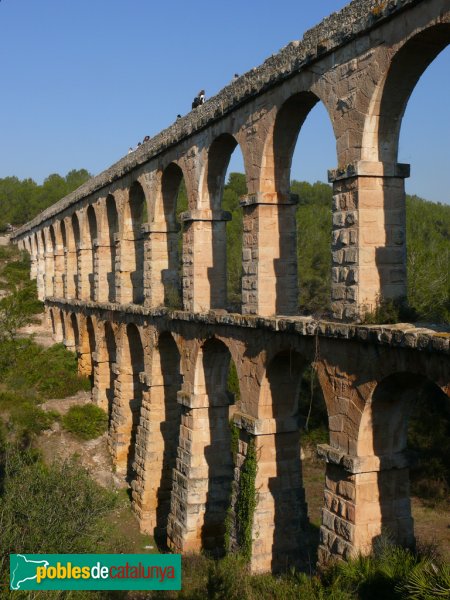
{"x":48,"y":509}
{"x":47,"y":372}
{"x":87,"y":422}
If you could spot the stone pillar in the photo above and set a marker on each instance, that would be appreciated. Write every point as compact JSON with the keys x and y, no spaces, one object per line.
{"x":279,"y":534}
{"x":124,"y":417}
{"x":71,"y":277}
{"x":269,"y":255}
{"x":33,"y":266}
{"x":205,"y":260}
{"x":49,"y":262}
{"x":103,"y":273}
{"x":365,"y":497}
{"x":58,"y":335}
{"x":58,"y":278}
{"x":161,"y":277}
{"x":126,"y":264}
{"x":85,"y":363}
{"x":156,"y":447}
{"x":104,"y":376}
{"x":40,"y":275}
{"x":369,"y":228}
{"x":84,"y":268}
{"x":204,"y":438}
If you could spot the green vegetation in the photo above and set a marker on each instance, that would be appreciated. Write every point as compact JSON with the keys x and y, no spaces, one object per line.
{"x":246,"y":501}
{"x":37,"y":372}
{"x":87,"y":422}
{"x":391,"y":573}
{"x":20,"y":303}
{"x":428,"y":239}
{"x":48,"y":509}
{"x":21,"y":200}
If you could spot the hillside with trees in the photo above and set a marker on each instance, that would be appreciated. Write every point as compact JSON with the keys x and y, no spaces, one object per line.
{"x":21,"y":200}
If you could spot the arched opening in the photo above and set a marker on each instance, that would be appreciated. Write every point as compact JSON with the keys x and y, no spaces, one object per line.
{"x":92,"y":225}
{"x":138,"y":216}
{"x":224,"y":188}
{"x":65,"y":280}
{"x":112,"y":219}
{"x":111,"y":358}
{"x":279,"y":479}
{"x":160,"y":432}
{"x":75,"y":333}
{"x":211,"y":381}
{"x":53,"y":324}
{"x":131,"y":399}
{"x":168,"y":245}
{"x":41,"y":274}
{"x":73,"y":256}
{"x":90,"y":365}
{"x":304,"y":147}
{"x":394,"y":426}
{"x":63,"y":327}
{"x":56,"y":265}
{"x":409,"y":249}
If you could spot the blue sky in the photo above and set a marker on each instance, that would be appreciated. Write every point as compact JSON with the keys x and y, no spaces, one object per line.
{"x":83,"y":80}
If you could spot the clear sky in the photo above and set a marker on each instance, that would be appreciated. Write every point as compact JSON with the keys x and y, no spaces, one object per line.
{"x":83,"y":80}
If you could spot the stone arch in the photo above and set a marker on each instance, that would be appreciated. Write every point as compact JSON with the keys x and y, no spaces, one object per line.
{"x":40,"y":252}
{"x":279,"y":478}
{"x":382,"y":492}
{"x":388,"y":103}
{"x":62,"y":320}
{"x":73,"y":332}
{"x":87,"y":347}
{"x":93,"y":242}
{"x":157,"y":438}
{"x":111,"y":359}
{"x":128,"y":401}
{"x":132,"y":242}
{"x":205,"y":417}
{"x":49,"y":261}
{"x":164,"y":255}
{"x":280,"y":143}
{"x":65,"y":266}
{"x":219,"y":154}
{"x":206,"y":229}
{"x":58,"y":264}
{"x":166,"y":201}
{"x":112,"y":221}
{"x":52,"y":322}
{"x":57,"y":327}
{"x":72,"y":230}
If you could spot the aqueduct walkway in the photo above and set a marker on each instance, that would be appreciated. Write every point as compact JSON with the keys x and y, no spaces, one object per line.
{"x":106,"y":262}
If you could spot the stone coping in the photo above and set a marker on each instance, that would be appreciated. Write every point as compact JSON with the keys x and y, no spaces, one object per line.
{"x":336,"y":30}
{"x":365,"y":464}
{"x":427,"y":338}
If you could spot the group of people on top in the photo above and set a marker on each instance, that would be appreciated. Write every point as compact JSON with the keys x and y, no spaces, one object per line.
{"x":197,"y":101}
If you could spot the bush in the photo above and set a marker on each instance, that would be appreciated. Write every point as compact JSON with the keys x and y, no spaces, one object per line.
{"x":47,"y":372}
{"x":392,"y":573}
{"x":87,"y":422}
{"x":48,"y":509}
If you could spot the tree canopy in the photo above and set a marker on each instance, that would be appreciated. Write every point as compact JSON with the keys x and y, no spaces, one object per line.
{"x":21,"y":200}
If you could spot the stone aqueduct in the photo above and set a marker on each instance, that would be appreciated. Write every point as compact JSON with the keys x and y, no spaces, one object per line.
{"x":105,"y":259}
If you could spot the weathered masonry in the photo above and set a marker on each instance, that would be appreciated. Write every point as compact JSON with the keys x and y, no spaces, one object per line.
{"x":106,"y":262}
